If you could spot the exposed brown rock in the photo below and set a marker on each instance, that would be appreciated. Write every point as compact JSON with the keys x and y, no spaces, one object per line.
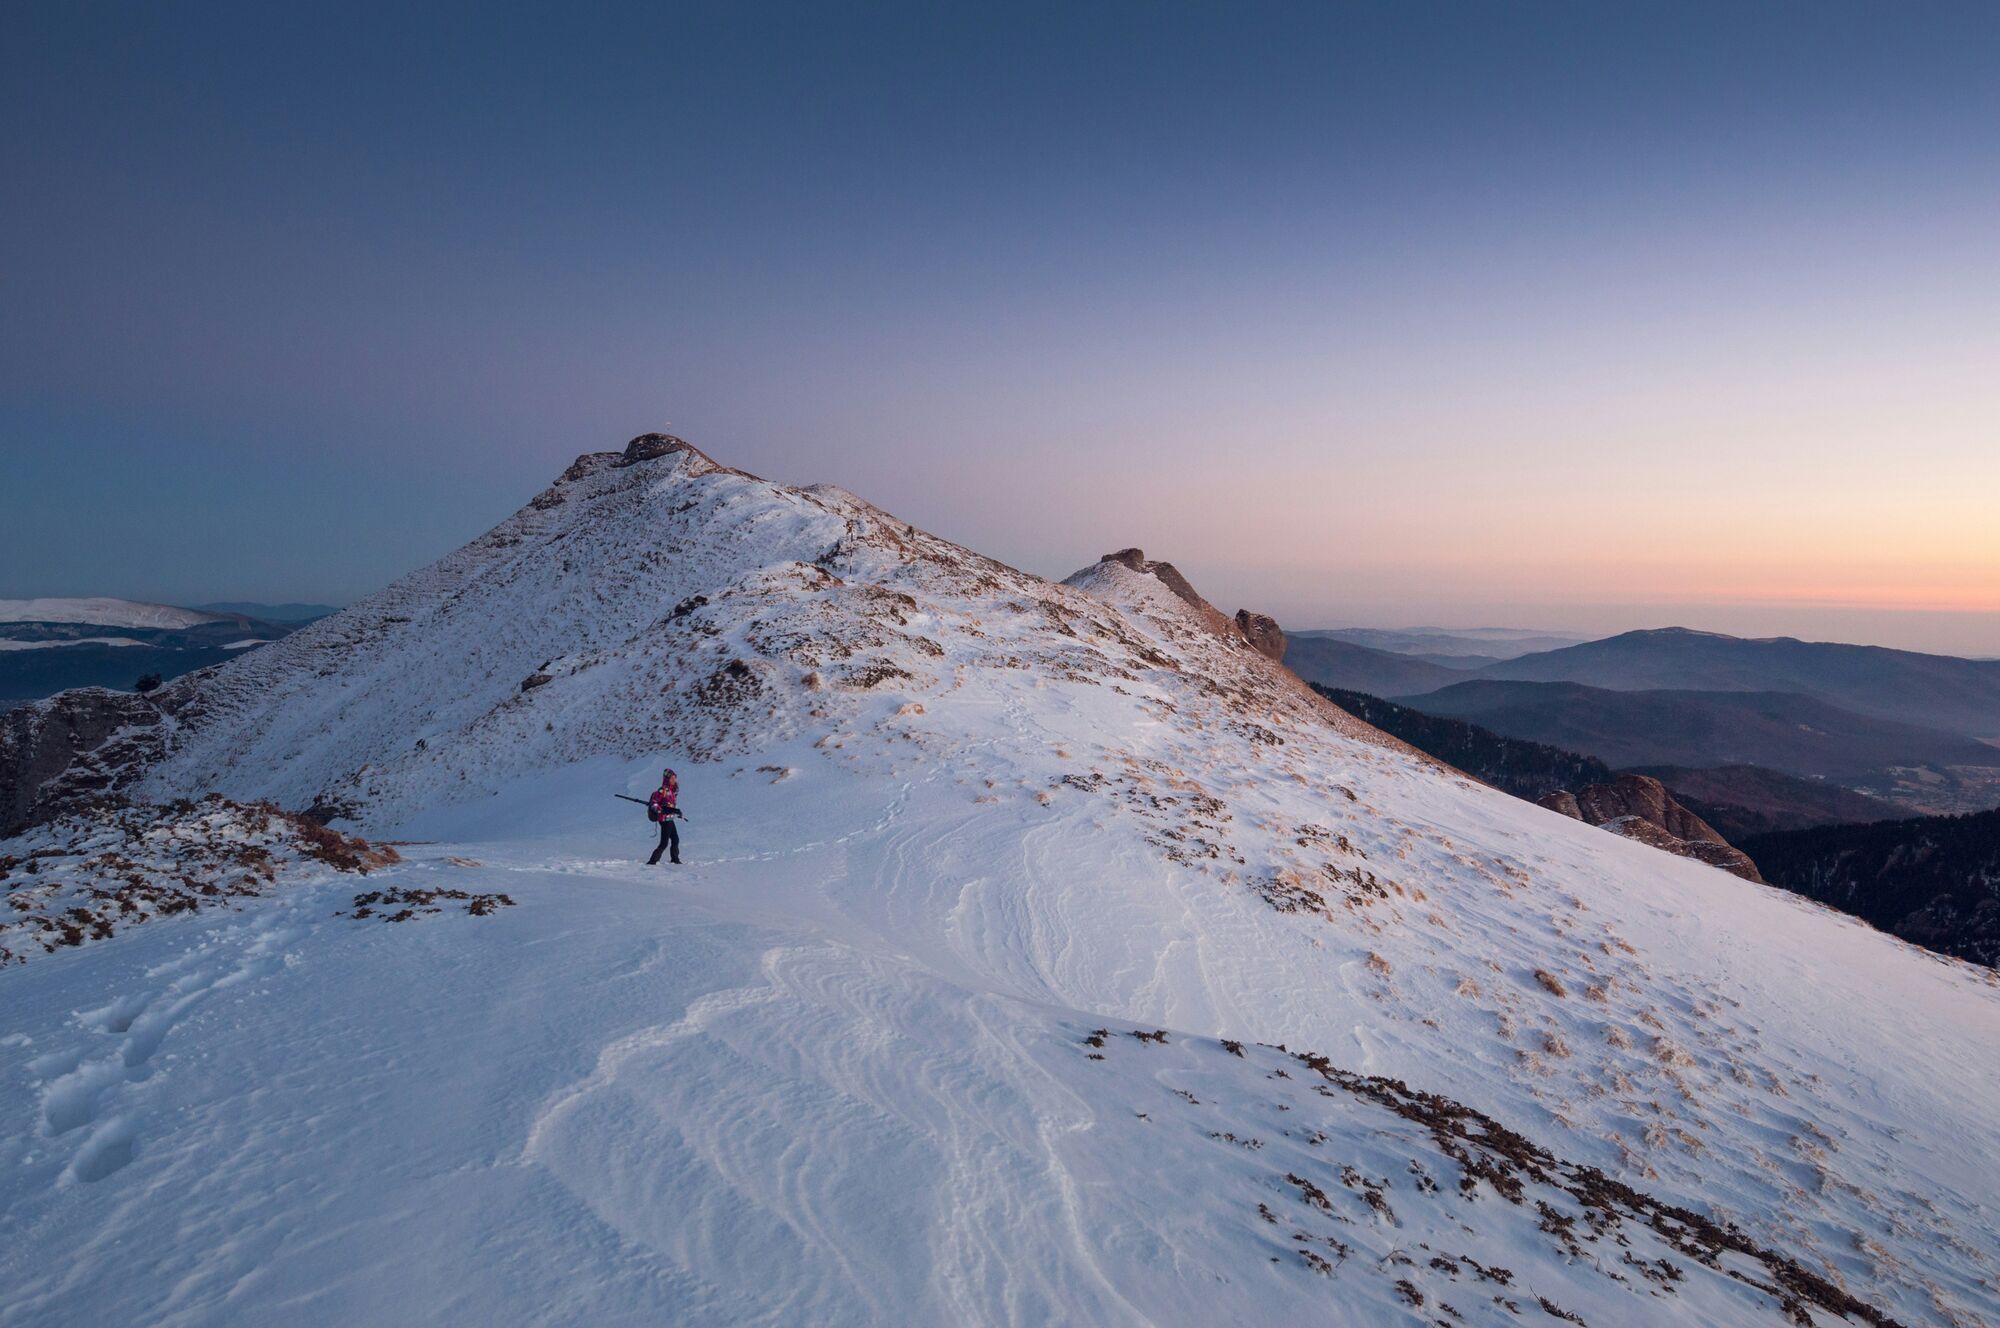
{"x":1644,"y":797}
{"x":1263,"y":634}
{"x":1562,"y":800}
{"x":1640,"y":807}
{"x":649,"y":445}
{"x":646,"y":447}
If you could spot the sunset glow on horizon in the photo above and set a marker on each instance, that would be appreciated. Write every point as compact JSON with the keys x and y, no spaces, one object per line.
{"x":1365,"y":312}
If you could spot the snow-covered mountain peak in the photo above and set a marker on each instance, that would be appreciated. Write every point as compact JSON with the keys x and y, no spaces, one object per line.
{"x":654,"y":599}
{"x":948,"y":821}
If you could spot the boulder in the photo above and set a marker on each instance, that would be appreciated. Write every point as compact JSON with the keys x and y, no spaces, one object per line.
{"x":1263,"y":634}
{"x":1640,"y":807}
{"x":650,"y":445}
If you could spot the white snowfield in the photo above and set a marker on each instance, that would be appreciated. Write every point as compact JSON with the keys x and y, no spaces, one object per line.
{"x":103,"y":613}
{"x":955,"y":835}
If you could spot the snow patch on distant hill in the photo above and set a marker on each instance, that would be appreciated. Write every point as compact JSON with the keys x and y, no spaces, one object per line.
{"x":6,"y":644}
{"x":104,"y":612}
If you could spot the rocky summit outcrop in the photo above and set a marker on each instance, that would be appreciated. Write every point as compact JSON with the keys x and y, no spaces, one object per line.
{"x":1170,"y":576}
{"x":1640,"y":807}
{"x":1263,"y":634}
{"x":648,"y":446}
{"x":1258,"y":630}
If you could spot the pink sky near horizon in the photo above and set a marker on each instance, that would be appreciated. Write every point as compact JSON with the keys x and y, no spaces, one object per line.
{"x":1610,"y":315}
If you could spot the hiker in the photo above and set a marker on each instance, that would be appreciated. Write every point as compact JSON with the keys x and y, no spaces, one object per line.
{"x":664,"y":806}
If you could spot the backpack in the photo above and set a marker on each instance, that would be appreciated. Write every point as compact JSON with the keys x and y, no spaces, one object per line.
{"x":656,"y":806}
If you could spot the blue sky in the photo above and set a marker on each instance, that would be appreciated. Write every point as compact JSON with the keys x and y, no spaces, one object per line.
{"x":1558,"y":314}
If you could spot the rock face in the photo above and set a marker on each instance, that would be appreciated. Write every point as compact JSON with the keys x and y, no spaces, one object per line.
{"x":1263,"y":634}
{"x":647,"y":446}
{"x":1640,"y":807}
{"x":68,"y":749}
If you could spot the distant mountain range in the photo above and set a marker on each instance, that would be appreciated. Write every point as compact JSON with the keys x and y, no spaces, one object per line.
{"x":49,"y":645}
{"x":1932,"y":691}
{"x":1780,"y":730}
{"x":1738,"y":800}
{"x":1332,"y":662}
{"x":1934,"y":881}
{"x":1457,"y":648}
{"x":1745,"y":800}
{"x":1913,"y":728}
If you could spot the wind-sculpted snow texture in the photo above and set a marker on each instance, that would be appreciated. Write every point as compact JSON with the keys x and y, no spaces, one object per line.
{"x":947,"y":822}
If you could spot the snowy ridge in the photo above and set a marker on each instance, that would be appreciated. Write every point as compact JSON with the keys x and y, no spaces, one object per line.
{"x":668,"y":604}
{"x":948,"y":819}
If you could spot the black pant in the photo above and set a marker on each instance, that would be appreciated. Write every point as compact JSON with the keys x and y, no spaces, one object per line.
{"x":670,"y":843}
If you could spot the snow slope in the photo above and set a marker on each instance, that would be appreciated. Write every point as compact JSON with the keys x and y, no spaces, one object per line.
{"x":947,"y":821}
{"x":103,"y":613}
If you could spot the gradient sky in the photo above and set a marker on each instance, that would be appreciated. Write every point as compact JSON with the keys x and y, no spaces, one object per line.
{"x":1558,"y":315}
